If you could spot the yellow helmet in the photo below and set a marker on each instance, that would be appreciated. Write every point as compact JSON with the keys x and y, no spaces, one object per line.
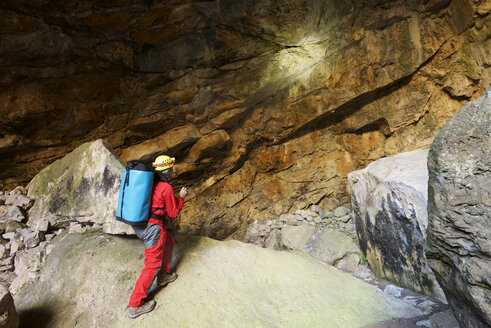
{"x":163,"y":162}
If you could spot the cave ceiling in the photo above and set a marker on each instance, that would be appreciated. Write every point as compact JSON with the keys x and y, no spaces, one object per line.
{"x":265,"y":104}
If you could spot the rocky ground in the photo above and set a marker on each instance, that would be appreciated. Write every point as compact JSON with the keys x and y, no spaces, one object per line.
{"x":220,"y":283}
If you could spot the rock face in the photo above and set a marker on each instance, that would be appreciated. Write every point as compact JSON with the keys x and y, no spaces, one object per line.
{"x":459,"y":210}
{"x":8,"y":316}
{"x":266,"y":105}
{"x":389,"y":200}
{"x":82,"y":186}
{"x":220,"y":283}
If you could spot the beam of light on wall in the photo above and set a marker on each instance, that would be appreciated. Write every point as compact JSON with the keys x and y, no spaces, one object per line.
{"x":295,"y":63}
{"x":298,"y":61}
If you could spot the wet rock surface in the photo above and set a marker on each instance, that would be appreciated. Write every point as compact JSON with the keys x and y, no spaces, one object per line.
{"x":389,"y":200}
{"x":459,"y":208}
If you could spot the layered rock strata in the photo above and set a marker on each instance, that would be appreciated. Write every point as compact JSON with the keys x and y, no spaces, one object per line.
{"x":266,"y":105}
{"x":389,"y":199}
{"x":459,"y":212}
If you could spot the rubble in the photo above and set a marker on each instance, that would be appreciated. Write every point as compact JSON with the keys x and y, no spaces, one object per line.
{"x":329,"y":236}
{"x":24,"y":248}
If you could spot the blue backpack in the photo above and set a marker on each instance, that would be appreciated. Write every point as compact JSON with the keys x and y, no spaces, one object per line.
{"x":135,"y":194}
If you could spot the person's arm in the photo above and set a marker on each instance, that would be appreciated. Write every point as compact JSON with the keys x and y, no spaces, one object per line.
{"x":172,"y":205}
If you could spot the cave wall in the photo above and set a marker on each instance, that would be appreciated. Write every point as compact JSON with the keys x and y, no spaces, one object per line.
{"x":267,"y":105}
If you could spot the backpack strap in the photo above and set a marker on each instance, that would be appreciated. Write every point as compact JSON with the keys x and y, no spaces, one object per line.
{"x":125,"y":183}
{"x":158,"y":217}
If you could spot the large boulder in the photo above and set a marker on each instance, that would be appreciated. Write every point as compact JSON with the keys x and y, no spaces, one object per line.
{"x":83,"y":186}
{"x":389,"y":200}
{"x":87,"y":280}
{"x":459,"y":212}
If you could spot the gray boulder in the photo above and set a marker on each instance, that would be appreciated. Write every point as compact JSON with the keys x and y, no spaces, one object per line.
{"x":389,"y":199}
{"x":332,"y":246}
{"x":459,"y":209}
{"x":19,"y":200}
{"x":82,"y":186}
{"x":329,"y":246}
{"x":87,"y":279}
{"x":297,"y":237}
{"x":15,"y":213}
{"x":8,"y":316}
{"x":444,"y":319}
{"x":26,"y":263}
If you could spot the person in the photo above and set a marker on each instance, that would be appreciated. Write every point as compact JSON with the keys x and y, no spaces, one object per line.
{"x":156,"y":238}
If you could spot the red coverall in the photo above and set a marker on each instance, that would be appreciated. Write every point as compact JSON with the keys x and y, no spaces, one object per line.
{"x":158,"y":241}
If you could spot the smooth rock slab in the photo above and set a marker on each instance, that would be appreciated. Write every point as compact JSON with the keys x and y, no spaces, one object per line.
{"x":389,"y":199}
{"x":459,"y":210}
{"x":82,"y":186}
{"x":87,"y":279}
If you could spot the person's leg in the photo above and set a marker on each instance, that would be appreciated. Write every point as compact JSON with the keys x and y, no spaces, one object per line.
{"x":167,"y":253}
{"x":153,"y":239}
{"x":165,"y":276}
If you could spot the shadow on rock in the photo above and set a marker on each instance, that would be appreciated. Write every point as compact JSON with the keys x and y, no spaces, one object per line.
{"x":183,"y":244}
{"x":37,"y":317}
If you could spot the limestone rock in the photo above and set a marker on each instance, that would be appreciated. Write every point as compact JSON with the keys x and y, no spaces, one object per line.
{"x":76,"y":228}
{"x":27,"y":263}
{"x":15,"y":214}
{"x":329,"y":246}
{"x":2,"y":250}
{"x":332,"y":246}
{"x":8,"y":235}
{"x":208,"y":146}
{"x":7,"y":264}
{"x":349,"y":262}
{"x":459,"y":208}
{"x":341,"y":212}
{"x":444,"y":320}
{"x":12,"y":226}
{"x":389,"y":199}
{"x":3,"y":211}
{"x":274,"y":240}
{"x":17,"y":191}
{"x":265,"y":285}
{"x":8,"y":315}
{"x":297,"y":237}
{"x":82,"y":186}
{"x":169,"y":143}
{"x":19,"y":200}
